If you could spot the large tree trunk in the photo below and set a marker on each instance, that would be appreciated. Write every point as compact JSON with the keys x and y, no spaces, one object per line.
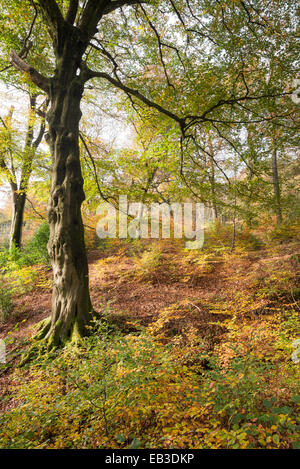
{"x":71,"y":305}
{"x":19,"y":199}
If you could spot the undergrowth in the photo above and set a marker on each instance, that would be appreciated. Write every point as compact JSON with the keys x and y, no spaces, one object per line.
{"x":232,"y":384}
{"x":136,"y":391}
{"x":34,"y":252}
{"x":19,"y":270}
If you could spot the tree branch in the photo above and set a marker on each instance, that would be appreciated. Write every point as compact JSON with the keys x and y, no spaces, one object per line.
{"x":53,"y":14}
{"x":117,"y":83}
{"x":34,"y":209}
{"x":160,"y":44}
{"x":10,"y":173}
{"x":119,"y":4}
{"x":72,"y":11}
{"x":94,"y":167}
{"x":91,"y":15}
{"x":39,"y":80}
{"x":95,"y":9}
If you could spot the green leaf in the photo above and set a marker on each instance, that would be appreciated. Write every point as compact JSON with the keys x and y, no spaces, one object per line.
{"x":296,"y":398}
{"x":120,"y":438}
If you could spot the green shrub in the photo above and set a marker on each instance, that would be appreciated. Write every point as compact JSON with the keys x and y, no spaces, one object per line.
{"x":9,"y":259}
{"x":5,"y":301}
{"x":148,"y":262}
{"x":285,"y":232}
{"x":218,"y":237}
{"x":36,"y":249}
{"x":249,"y":241}
{"x":34,"y":252}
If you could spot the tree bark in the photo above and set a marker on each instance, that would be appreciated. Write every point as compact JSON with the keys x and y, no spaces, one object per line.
{"x":19,"y":199}
{"x":276,"y":185}
{"x":213,"y":189}
{"x":212,"y":179}
{"x":71,"y":304}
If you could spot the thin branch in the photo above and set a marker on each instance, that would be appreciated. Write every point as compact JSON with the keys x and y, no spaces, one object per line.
{"x":26,"y":40}
{"x":94,"y":167}
{"x":177,"y":13}
{"x":119,"y":4}
{"x":160,"y":44}
{"x":34,"y":209}
{"x":43,"y":125}
{"x":93,"y":74}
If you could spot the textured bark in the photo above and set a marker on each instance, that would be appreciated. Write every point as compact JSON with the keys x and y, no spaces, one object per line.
{"x":19,"y":200}
{"x":71,"y":305}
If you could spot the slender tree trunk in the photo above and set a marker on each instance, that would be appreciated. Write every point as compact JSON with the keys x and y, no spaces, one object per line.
{"x":233,"y":237}
{"x":276,"y":185}
{"x":233,"y":234}
{"x":19,"y":199}
{"x":212,"y":180}
{"x":19,"y":191}
{"x":71,"y":305}
{"x":213,"y":191}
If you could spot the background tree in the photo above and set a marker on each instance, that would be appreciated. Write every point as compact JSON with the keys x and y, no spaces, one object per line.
{"x":20,"y":142}
{"x":17,"y":164}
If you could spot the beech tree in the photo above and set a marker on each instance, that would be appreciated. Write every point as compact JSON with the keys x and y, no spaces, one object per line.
{"x":71,"y":306}
{"x":20,"y":144}
{"x":79,"y":50}
{"x":14,"y":160}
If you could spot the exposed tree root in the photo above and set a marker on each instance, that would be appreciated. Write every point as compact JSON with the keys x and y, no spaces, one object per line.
{"x":49,"y":338}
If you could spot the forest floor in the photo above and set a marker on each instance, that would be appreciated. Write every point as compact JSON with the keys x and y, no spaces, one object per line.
{"x":164,"y":287}
{"x":142,"y":293}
